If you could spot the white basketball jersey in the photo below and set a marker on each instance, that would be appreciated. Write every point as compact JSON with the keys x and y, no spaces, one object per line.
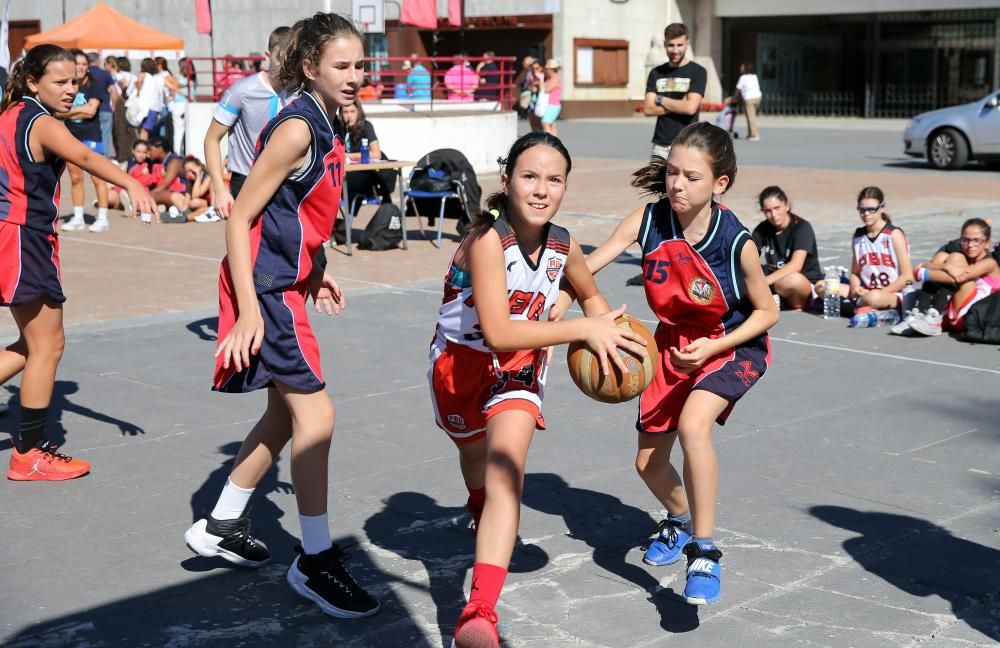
{"x":877,"y":262}
{"x":531,"y":288}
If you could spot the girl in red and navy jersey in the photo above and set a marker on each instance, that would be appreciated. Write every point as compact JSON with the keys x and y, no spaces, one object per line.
{"x":34,"y":149}
{"x":279,"y":222}
{"x":704,"y":282}
{"x":486,"y":373}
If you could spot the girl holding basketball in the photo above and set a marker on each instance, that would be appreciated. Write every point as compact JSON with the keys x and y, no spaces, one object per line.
{"x":704,"y":282}
{"x":279,"y":222}
{"x":35,"y":147}
{"x":487,"y":364}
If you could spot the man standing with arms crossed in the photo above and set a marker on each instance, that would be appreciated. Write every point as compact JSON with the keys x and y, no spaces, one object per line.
{"x":674,"y":90}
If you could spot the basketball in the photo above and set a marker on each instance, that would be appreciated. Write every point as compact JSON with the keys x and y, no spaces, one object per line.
{"x":585,"y":368}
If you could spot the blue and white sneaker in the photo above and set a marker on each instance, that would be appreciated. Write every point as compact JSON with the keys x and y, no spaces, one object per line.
{"x":666,"y":543}
{"x":704,"y":573}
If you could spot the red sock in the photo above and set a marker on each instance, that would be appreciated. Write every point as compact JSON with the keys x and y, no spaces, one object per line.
{"x":487,"y":581}
{"x":475,"y":503}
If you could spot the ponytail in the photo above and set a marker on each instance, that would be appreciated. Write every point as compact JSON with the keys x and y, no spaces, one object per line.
{"x":33,"y":64}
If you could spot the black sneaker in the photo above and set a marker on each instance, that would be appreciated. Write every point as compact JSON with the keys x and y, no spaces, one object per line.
{"x":323,"y":579}
{"x":229,"y":539}
{"x":635,"y":281}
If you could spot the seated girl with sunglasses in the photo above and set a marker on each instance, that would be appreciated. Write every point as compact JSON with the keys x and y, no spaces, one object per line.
{"x":880,"y":265}
{"x":953,"y":282}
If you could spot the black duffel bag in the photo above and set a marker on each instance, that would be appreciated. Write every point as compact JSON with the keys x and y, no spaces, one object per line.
{"x":982,"y":321}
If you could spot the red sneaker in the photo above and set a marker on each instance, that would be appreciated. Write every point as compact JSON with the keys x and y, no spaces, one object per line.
{"x":45,"y":464}
{"x":476,"y":627}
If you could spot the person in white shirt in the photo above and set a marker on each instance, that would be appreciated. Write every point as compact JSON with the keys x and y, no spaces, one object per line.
{"x":748,"y":90}
{"x":150,"y":89}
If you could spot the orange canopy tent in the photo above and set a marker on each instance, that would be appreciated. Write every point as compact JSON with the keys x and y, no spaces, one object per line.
{"x":103,"y":29}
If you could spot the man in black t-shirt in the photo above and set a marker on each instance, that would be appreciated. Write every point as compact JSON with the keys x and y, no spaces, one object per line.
{"x":674,"y":90}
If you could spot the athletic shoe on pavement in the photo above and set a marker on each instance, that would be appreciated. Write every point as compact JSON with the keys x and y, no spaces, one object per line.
{"x":100,"y":225}
{"x":323,"y":579}
{"x":126,"y":203}
{"x":73,"y":225}
{"x":228,"y":539}
{"x":476,"y":627}
{"x":902,"y":328}
{"x":929,"y":324}
{"x":668,"y":544}
{"x":208,"y":216}
{"x":45,"y":464}
{"x":704,"y":574}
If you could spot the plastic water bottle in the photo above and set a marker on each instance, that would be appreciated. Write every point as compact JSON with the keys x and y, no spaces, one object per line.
{"x":831,"y":293}
{"x":888,"y":317}
{"x":366,"y":154}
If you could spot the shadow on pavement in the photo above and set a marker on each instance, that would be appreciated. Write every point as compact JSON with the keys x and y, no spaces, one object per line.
{"x":206,"y":329}
{"x":923,"y":559}
{"x":415,"y":527}
{"x":613,"y":529}
{"x":55,"y":431}
{"x":228,"y":608}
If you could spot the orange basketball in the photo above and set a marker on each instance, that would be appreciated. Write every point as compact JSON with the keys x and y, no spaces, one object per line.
{"x":585,"y":368}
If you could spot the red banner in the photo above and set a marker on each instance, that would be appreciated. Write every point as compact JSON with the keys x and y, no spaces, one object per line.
{"x":420,"y":13}
{"x":203,"y":16}
{"x":455,"y":13}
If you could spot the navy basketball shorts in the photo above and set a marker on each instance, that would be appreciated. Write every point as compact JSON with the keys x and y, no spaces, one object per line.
{"x":29,"y":266}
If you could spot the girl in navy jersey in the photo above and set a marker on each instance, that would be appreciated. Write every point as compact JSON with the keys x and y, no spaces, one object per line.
{"x":486,"y":373}
{"x":34,"y":149}
{"x":279,"y":222}
{"x":704,"y":282}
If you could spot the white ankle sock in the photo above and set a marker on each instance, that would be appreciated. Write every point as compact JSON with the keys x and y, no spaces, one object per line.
{"x":102,"y":213}
{"x":77,"y":213}
{"x":315,"y":533}
{"x":232,"y":502}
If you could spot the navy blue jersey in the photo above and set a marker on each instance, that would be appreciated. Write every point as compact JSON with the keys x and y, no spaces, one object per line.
{"x":29,"y":188}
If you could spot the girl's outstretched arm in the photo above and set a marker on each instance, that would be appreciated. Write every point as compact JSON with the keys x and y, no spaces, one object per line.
{"x":620,"y":240}
{"x":51,"y":136}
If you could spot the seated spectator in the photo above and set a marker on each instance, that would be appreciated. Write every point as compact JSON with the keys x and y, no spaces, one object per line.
{"x":880,"y":267}
{"x":234,"y":70}
{"x":419,"y":81}
{"x":953,"y":282}
{"x":168,"y":169}
{"x":366,"y":184}
{"x":402,"y":90}
{"x":787,"y":241}
{"x":198,"y":194}
{"x":138,"y":166}
{"x":489,"y":73}
{"x":369,"y":91}
{"x":461,"y":81}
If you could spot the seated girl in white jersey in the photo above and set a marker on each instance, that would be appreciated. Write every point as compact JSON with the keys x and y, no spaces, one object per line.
{"x":952,"y":283}
{"x":487,"y":360}
{"x":880,"y":262}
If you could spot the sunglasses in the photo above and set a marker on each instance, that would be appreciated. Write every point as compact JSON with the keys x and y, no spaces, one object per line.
{"x":869,"y":210}
{"x":971,"y":241}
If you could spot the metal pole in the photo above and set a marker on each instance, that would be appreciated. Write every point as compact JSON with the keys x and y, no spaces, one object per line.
{"x":461,"y":45}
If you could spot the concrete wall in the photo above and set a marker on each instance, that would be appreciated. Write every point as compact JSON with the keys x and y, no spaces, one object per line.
{"x":405,"y":136}
{"x":737,"y":8}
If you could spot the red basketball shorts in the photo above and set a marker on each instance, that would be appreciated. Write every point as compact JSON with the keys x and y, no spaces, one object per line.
{"x":468,"y":387}
{"x":729,"y":376}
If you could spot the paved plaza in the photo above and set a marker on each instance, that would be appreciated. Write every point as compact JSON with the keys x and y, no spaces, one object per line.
{"x":859,"y":501}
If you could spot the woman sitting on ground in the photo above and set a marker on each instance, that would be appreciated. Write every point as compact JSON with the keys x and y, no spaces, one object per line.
{"x":788,"y":243}
{"x":952,"y":284}
{"x":139,"y":167}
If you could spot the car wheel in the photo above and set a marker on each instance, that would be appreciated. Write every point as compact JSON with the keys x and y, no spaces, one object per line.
{"x":946,"y":149}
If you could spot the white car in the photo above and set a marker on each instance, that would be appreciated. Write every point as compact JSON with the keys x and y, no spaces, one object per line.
{"x":950,"y":137}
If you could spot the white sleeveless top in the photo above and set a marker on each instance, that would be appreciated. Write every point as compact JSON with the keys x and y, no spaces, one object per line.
{"x":877,"y":262}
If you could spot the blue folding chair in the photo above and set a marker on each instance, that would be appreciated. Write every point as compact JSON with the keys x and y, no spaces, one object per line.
{"x":410,"y":194}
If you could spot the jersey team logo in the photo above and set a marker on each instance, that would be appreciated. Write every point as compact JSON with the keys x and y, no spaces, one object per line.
{"x":701,"y":290}
{"x":748,"y":375}
{"x":552,"y":272}
{"x":456,"y":421}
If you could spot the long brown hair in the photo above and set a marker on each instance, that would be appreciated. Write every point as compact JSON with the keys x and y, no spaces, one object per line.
{"x":357,"y":131}
{"x":32,"y":64}
{"x":306,"y":41}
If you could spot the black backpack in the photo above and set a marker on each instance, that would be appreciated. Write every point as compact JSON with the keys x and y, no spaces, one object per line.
{"x":384,"y":231}
{"x":982,"y":321}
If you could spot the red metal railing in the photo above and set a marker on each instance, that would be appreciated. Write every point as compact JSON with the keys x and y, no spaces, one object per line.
{"x":428,"y":80}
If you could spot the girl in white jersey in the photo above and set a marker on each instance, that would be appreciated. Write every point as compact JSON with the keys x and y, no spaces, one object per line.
{"x":880,"y":263}
{"x":487,"y":361}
